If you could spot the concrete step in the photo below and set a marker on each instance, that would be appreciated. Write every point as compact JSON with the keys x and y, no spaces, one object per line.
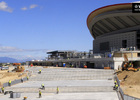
{"x":68,"y":89}
{"x":74,"y":78}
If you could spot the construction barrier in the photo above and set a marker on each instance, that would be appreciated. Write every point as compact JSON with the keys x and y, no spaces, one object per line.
{"x":15,"y":95}
{"x":124,"y":96}
{"x":17,"y":80}
{"x":107,"y":68}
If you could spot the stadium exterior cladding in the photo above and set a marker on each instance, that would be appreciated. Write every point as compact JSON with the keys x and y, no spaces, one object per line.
{"x":114,"y":27}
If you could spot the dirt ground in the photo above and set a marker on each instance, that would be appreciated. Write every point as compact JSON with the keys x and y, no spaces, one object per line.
{"x":131,"y":85}
{"x":5,"y":76}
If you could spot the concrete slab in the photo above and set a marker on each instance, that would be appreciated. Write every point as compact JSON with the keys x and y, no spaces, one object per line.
{"x":66,"y":96}
{"x":74,"y":84}
{"x":66,"y":83}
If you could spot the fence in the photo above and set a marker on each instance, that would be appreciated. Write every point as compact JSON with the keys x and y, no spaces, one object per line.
{"x":124,"y":96}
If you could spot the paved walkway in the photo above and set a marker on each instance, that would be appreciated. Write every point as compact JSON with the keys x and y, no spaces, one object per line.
{"x":66,"y":96}
{"x":73,"y":83}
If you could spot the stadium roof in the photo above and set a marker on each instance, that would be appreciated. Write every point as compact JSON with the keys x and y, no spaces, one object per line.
{"x":113,"y":19}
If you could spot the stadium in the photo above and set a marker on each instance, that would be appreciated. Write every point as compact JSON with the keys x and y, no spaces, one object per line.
{"x":114,"y":27}
{"x":116,"y":32}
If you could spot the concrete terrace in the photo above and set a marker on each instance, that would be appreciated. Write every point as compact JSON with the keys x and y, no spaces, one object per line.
{"x":73,"y":83}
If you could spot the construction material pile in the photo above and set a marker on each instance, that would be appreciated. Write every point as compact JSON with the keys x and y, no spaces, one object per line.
{"x":130,"y":83}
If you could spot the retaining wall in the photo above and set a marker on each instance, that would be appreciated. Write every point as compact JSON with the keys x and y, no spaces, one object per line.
{"x":124,"y":96}
{"x":16,"y":81}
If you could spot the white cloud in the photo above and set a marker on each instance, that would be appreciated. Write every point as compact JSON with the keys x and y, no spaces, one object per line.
{"x":14,"y":49}
{"x":24,"y":8}
{"x":9,"y":49}
{"x":30,"y":7}
{"x":23,"y":54}
{"x":33,"y":6}
{"x":4,"y":7}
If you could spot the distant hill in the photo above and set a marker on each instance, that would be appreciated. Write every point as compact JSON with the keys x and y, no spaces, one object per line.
{"x":7,"y":60}
{"x":13,"y":60}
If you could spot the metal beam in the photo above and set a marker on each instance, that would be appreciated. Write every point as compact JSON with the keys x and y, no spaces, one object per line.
{"x":122,"y":21}
{"x":98,"y":30}
{"x":104,"y":31}
{"x":134,"y":20}
{"x":106,"y":26}
{"x":112,"y":23}
{"x":94,"y":33}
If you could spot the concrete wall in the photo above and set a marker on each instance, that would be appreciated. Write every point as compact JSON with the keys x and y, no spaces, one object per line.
{"x":135,"y":55}
{"x":118,"y":64}
{"x":117,"y":55}
{"x":102,"y":64}
{"x":115,"y":41}
{"x":129,"y":55}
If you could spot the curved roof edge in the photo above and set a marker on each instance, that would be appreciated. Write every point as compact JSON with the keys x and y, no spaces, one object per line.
{"x":106,"y":9}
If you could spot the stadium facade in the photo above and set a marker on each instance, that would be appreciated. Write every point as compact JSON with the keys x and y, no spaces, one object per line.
{"x":114,"y":27}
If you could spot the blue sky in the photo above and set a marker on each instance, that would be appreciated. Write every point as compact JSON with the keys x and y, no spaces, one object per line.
{"x":29,"y":28}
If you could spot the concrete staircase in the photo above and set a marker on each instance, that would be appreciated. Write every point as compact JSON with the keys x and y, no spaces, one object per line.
{"x":69,"y":80}
{"x":71,"y":74}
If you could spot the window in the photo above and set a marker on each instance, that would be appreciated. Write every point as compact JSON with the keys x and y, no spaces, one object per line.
{"x":124,"y":43}
{"x":104,"y":46}
{"x":138,"y":54}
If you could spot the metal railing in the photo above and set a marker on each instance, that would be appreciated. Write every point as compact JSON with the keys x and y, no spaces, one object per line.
{"x":125,"y":49}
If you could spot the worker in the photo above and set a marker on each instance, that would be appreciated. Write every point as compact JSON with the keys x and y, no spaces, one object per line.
{"x":9,"y":82}
{"x":130,"y":65}
{"x":39,"y":94}
{"x":2,"y":89}
{"x":22,"y":80}
{"x":43,"y":87}
{"x":85,"y":66}
{"x":116,"y":87}
{"x":31,"y":65}
{"x":27,"y":77}
{"x":72,"y":65}
{"x":40,"y":71}
{"x":115,"y":82}
{"x":57,"y":90}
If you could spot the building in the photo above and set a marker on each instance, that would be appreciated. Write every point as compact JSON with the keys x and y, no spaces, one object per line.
{"x":116,"y":33}
{"x":65,"y":54}
{"x":116,"y":30}
{"x":114,"y":27}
